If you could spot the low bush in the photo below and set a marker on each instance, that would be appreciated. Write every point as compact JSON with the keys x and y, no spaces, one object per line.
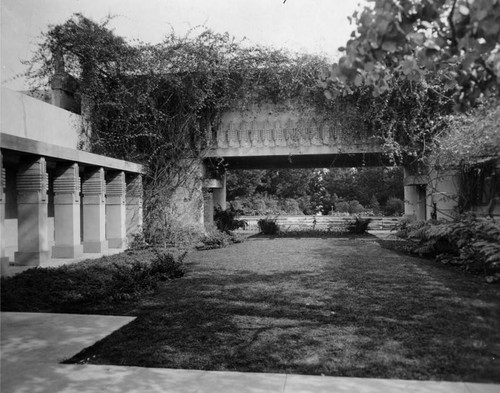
{"x":226,"y":220}
{"x":217,"y":239}
{"x":394,"y":207}
{"x":169,"y":231}
{"x":358,"y":226}
{"x":269,"y":226}
{"x":408,"y":225}
{"x":470,"y":242}
{"x":68,"y":288}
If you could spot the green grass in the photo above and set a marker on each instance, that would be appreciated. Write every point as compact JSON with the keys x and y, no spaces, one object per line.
{"x":341,"y":307}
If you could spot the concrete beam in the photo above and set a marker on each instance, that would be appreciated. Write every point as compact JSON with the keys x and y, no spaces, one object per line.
{"x":60,"y":153}
{"x":306,"y":161}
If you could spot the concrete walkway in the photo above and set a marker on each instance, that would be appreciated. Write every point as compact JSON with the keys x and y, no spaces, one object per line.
{"x":32,"y":345}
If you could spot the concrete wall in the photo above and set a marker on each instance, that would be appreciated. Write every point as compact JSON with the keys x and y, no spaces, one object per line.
{"x":444,"y":190}
{"x":27,"y":117}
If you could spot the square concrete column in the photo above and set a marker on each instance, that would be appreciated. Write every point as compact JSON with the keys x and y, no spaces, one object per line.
{"x":116,"y":233}
{"x":219,"y":195}
{"x":134,"y":205}
{"x":32,"y":213}
{"x":94,"y":211}
{"x":67,"y":212}
{"x":4,"y":261}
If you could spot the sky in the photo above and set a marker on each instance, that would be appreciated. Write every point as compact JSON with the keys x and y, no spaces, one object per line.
{"x":306,"y":26}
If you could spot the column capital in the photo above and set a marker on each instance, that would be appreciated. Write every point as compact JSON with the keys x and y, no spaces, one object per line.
{"x":116,"y":187}
{"x":67,"y":184}
{"x":32,"y":181}
{"x":94,"y":186}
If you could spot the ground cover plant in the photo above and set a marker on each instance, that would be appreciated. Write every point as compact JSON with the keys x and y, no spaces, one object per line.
{"x":342,"y":307}
{"x":469,"y":242}
{"x":218,"y":239}
{"x":107,"y":280}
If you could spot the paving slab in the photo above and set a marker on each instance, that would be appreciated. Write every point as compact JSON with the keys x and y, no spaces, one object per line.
{"x":306,"y":384}
{"x":32,"y":344}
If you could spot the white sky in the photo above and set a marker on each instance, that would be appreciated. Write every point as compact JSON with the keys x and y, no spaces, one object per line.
{"x":309,"y":26}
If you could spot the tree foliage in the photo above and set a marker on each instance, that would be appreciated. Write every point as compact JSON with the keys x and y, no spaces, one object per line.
{"x":308,"y":191}
{"x":414,"y":40}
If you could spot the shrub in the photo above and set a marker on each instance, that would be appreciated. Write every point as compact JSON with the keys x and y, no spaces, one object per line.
{"x":394,"y":207}
{"x":268,"y":226}
{"x":89,"y":283}
{"x":406,"y":226}
{"x":171,"y":233}
{"x":470,"y":242}
{"x":358,"y":226}
{"x":342,"y":207}
{"x":226,"y":221}
{"x":355,"y":207}
{"x":138,"y":241}
{"x":217,"y":239}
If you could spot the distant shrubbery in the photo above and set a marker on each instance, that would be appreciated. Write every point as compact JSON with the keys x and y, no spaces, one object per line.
{"x":68,"y":288}
{"x":262,"y":205}
{"x":259,"y":205}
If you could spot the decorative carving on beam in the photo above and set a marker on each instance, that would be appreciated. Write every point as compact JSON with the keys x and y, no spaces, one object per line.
{"x":273,"y":131}
{"x":232,"y":135}
{"x":268,"y":134}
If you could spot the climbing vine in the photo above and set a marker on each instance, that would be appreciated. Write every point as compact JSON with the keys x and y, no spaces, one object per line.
{"x":160,"y":104}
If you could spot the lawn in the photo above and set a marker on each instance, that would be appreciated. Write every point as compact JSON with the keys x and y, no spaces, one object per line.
{"x":332,"y":306}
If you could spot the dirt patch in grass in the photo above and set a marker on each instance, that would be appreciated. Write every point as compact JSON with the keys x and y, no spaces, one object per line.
{"x":341,"y":307}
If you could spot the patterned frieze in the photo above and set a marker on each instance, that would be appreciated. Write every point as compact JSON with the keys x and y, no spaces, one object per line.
{"x":273,"y":131}
{"x":268,"y":134}
{"x":243,"y":134}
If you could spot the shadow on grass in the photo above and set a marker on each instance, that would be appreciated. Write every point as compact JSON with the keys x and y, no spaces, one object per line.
{"x":367,"y":315}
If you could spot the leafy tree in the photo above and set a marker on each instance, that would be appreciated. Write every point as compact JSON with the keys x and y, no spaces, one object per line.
{"x":362,"y":184}
{"x":456,"y":41}
{"x":374,"y":205}
{"x":243,"y":183}
{"x":287,"y":183}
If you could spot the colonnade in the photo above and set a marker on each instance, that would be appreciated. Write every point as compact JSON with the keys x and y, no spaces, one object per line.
{"x":94,"y":208}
